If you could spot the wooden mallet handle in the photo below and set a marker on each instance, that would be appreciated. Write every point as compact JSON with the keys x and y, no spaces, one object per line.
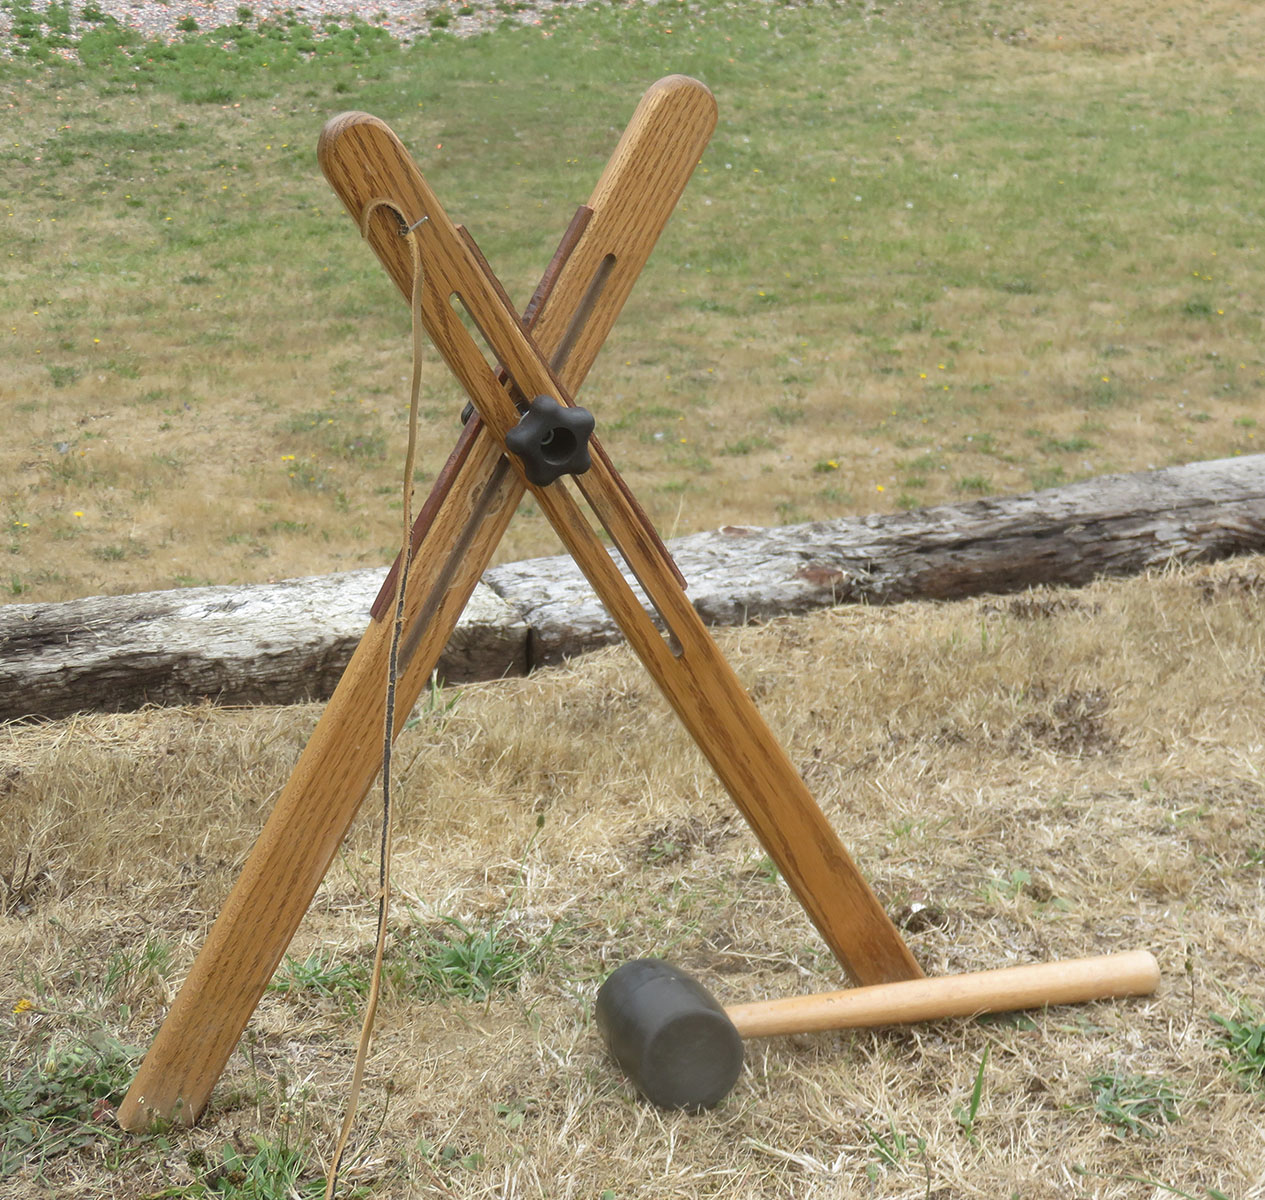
{"x":1007,"y":989}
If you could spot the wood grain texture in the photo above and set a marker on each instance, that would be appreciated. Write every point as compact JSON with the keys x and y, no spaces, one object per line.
{"x":341,"y":761}
{"x":690,"y":671}
{"x":1007,"y":989}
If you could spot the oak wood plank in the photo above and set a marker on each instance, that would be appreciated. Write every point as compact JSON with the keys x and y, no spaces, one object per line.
{"x":341,"y":760}
{"x":692,"y":673}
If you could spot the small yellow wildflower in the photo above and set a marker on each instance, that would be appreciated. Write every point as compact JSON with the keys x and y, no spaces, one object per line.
{"x":23,"y":1005}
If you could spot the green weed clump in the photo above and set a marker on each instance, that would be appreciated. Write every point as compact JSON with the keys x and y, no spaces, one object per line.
{"x":1135,"y":1104}
{"x":1243,"y":1040}
{"x":63,"y":1100}
{"x":268,"y":1171}
{"x":472,"y":963}
{"x":892,"y":1147}
{"x":453,"y":960}
{"x":322,"y":975}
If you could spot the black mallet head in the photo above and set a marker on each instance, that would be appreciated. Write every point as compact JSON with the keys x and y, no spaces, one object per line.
{"x":670,"y":1036}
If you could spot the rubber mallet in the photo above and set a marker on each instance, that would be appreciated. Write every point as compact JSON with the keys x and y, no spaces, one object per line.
{"x":681,"y":1049}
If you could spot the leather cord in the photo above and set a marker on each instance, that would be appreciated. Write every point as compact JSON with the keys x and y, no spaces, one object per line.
{"x":388,"y":734}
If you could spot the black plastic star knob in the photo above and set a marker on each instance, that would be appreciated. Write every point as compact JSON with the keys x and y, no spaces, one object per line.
{"x":551,"y":440}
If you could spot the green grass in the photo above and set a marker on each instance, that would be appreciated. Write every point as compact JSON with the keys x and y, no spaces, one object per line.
{"x":1134,"y":1104}
{"x":892,"y":1147}
{"x":1021,"y":260}
{"x":471,"y":963}
{"x":267,"y":1171}
{"x":63,"y":1100}
{"x":322,"y":975}
{"x":967,"y":1114}
{"x":453,"y":959}
{"x":1243,"y":1040}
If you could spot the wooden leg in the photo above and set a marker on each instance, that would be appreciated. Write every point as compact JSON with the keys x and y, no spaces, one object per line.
{"x":692,"y":673}
{"x":631,"y":203}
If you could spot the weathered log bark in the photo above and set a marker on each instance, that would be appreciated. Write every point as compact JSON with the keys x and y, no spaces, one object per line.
{"x":286,"y":642}
{"x":1113,"y":525}
{"x":277,"y":643}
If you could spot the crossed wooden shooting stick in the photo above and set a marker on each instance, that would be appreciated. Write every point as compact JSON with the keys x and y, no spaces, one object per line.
{"x":546,"y":355}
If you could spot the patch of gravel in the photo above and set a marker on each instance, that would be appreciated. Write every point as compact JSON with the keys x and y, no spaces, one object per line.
{"x":405,"y":20}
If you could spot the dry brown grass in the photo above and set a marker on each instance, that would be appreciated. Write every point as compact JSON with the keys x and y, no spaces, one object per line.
{"x":189,"y":308}
{"x":1049,"y":775}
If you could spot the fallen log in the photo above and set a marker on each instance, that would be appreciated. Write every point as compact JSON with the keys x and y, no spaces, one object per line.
{"x":275,"y":643}
{"x":288,"y":642}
